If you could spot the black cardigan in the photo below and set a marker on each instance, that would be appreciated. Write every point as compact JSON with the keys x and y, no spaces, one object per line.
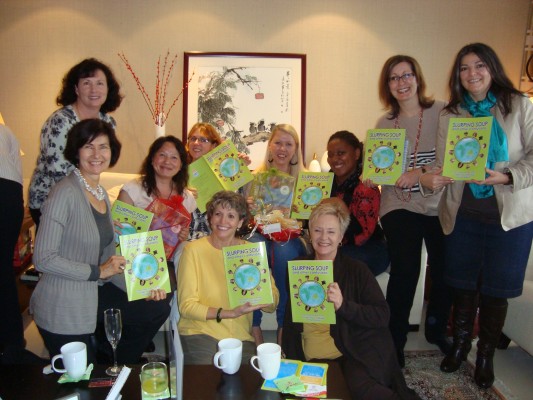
{"x":361,"y":331}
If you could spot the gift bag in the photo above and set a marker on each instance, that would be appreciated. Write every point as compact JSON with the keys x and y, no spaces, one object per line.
{"x":171,"y":217}
{"x":272,"y":190}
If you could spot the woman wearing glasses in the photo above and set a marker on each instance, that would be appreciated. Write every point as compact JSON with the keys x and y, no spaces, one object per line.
{"x":407,"y":217}
{"x":202,"y":138}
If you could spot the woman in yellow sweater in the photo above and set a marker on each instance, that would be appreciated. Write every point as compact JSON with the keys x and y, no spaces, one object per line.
{"x":206,"y":316}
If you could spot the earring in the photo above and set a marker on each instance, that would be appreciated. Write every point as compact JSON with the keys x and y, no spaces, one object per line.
{"x":340,"y":244}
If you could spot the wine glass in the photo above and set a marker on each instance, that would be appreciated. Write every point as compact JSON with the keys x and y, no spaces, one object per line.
{"x":113,"y":331}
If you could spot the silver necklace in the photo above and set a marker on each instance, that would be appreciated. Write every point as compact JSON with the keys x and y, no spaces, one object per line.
{"x":98,"y":193}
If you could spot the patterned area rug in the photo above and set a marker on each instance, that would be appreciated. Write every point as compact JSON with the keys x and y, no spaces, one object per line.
{"x":422,"y":373}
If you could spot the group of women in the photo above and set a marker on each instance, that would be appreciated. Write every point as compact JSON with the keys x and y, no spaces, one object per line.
{"x":467,"y":229}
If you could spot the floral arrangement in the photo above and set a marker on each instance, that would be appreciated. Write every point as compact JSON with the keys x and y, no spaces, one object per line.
{"x":163,"y":74}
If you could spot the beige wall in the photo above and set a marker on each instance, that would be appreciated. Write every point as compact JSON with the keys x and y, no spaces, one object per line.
{"x":346,"y":42}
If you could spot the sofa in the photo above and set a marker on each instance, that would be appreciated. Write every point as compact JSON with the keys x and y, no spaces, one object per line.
{"x":113,"y":181}
{"x":519,"y":322}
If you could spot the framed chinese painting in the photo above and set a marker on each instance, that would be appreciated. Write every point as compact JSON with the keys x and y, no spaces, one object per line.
{"x":244,"y":95}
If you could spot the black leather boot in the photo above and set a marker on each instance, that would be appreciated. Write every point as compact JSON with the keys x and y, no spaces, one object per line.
{"x":464,"y":313}
{"x":492,"y":312}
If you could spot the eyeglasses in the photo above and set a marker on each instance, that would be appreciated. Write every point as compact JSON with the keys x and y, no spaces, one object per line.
{"x":193,"y":139}
{"x":405,"y":77}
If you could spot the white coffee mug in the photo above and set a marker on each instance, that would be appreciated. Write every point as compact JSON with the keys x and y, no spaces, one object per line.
{"x":269,"y":359}
{"x":74,"y":355}
{"x":229,"y":355}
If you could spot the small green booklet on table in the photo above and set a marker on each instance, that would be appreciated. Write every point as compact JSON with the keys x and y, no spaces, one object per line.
{"x":311,"y":188}
{"x":247,"y":274}
{"x":385,"y":155}
{"x":308,"y":284}
{"x":220,"y":169}
{"x":467,"y":147}
{"x":146,"y":264}
{"x":133,"y":220}
{"x":312,"y":375}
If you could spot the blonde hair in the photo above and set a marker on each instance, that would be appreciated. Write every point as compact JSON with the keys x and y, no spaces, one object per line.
{"x":333,"y":206}
{"x":296,"y":164}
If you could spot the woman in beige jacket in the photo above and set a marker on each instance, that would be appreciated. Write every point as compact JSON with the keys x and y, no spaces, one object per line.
{"x":485,"y":221}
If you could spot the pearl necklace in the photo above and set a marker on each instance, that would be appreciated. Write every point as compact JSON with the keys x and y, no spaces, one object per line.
{"x":98,"y":193}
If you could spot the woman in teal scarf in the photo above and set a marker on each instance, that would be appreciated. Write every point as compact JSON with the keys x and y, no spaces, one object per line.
{"x":485,"y":221}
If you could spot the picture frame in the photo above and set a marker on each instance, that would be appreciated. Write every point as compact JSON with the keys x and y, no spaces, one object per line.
{"x":244,"y":95}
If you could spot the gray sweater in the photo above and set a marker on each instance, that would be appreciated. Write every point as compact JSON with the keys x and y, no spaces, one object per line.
{"x":65,"y":300}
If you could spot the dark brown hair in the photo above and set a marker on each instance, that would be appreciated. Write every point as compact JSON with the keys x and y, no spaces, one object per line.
{"x":85,"y":132}
{"x":84,"y":69}
{"x":147,"y":169}
{"x":501,"y":86}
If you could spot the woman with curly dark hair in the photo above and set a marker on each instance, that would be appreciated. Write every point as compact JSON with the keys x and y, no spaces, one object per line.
{"x":89,"y":90}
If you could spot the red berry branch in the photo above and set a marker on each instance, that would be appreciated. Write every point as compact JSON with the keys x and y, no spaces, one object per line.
{"x":157,"y":109}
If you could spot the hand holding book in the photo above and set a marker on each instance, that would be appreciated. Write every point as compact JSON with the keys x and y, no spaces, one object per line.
{"x":434,"y":180}
{"x":334,"y":295}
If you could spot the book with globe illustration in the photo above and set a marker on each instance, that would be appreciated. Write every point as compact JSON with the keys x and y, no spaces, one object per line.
{"x":467,"y":147}
{"x":247,"y":274}
{"x":385,"y":155}
{"x":133,"y":220}
{"x":294,"y":373}
{"x":308,"y":283}
{"x":220,"y":169}
{"x":311,"y":188}
{"x":146,"y":264}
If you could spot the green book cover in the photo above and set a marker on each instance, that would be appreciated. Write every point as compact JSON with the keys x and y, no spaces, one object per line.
{"x":384,"y":155}
{"x":307,"y":372}
{"x":133,"y":220}
{"x":220,"y":169}
{"x":247,"y":274}
{"x":311,"y":188}
{"x":467,"y":147}
{"x":146,"y":264}
{"x":308,"y":283}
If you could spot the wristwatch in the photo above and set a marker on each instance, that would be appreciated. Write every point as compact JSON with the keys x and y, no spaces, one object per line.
{"x":218,"y":315}
{"x":509,"y":174}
